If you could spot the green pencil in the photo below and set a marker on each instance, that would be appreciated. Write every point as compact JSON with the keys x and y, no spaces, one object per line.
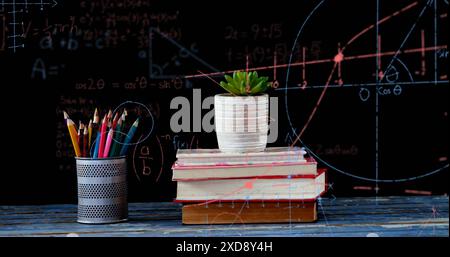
{"x":128,"y":138}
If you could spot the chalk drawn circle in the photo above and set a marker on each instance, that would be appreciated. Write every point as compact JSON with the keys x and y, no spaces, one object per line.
{"x":161,"y":161}
{"x":391,"y":74}
{"x":149,"y":113}
{"x":364,"y":94}
{"x":329,"y":165}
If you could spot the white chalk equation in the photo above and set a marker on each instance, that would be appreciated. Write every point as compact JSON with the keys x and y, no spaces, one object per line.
{"x":415,"y":60}
{"x":12,"y":13}
{"x":390,"y":68}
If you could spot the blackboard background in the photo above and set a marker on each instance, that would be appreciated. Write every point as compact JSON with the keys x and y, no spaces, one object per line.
{"x":79,"y":75}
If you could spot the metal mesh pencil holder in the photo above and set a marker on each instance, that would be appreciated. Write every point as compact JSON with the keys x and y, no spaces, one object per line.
{"x":102,"y":190}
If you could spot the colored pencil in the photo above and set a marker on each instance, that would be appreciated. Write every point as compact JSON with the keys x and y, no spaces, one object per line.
{"x":101,"y":141}
{"x":96,"y":119}
{"x":95,"y":122}
{"x":73,"y":136}
{"x":90,"y":134}
{"x":124,"y":117}
{"x":115,"y":120}
{"x":97,"y":145}
{"x":109,"y":117}
{"x":121,"y":134}
{"x":117,"y":137}
{"x":95,"y":125}
{"x":85,"y":142}
{"x":102,"y":138}
{"x":108,"y":144}
{"x":66,"y":117}
{"x":80,"y":135}
{"x":128,"y":138}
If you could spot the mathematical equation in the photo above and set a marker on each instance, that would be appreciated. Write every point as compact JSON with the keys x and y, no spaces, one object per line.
{"x":153,"y":156}
{"x":42,"y":69}
{"x":255,"y":32}
{"x":138,"y":83}
{"x":328,"y":150}
{"x":263,"y":54}
{"x":98,"y":25}
{"x":12,"y":21}
{"x":116,"y":22}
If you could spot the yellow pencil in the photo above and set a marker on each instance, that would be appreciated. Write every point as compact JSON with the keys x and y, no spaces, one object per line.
{"x":90,"y":134}
{"x":73,"y":136}
{"x":96,"y":117}
{"x":66,"y":116}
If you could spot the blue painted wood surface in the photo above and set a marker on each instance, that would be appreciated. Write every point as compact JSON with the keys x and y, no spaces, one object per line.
{"x":418,"y":216}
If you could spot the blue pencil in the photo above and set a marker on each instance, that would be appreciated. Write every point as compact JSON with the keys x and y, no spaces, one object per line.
{"x":97,"y":145}
{"x":128,"y":138}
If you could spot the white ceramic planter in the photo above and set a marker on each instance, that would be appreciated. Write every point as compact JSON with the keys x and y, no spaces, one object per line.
{"x":241,"y":122}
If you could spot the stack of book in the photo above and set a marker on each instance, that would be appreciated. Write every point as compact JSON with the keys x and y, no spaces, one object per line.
{"x":274,"y":186}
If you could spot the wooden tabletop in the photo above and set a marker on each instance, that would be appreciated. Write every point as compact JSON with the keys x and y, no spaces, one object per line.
{"x":418,"y":216}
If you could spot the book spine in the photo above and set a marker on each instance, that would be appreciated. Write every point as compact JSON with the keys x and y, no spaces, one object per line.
{"x":299,"y":176}
{"x":177,"y":166}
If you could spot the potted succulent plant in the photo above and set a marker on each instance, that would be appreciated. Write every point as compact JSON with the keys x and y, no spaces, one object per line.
{"x":241,"y":115}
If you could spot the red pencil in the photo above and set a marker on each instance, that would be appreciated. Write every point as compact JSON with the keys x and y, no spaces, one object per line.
{"x":102,"y":137}
{"x":80,"y":133}
{"x":115,"y":120}
{"x":85,"y":142}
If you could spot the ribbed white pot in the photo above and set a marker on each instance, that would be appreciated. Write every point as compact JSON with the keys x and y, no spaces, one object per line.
{"x":241,"y":122}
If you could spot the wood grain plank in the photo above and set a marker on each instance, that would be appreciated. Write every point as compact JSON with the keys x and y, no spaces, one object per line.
{"x":385,"y":216}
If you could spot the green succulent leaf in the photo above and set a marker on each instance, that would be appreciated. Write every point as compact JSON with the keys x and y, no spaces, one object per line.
{"x":228,"y":78}
{"x":242,"y":87}
{"x":241,"y":75}
{"x":243,"y":83}
{"x":236,"y":87}
{"x":260,"y":87}
{"x":226,"y":86}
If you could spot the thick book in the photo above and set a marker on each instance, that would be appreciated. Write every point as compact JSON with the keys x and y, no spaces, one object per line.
{"x":278,"y":188}
{"x":199,"y":157}
{"x":222,"y":171}
{"x":249,"y":212}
